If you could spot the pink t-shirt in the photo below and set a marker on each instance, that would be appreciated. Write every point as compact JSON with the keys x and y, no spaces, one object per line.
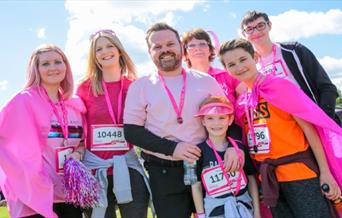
{"x":271,"y":62}
{"x":97,"y":110}
{"x":226,"y":81}
{"x":55,"y":139}
{"x":148,"y":105}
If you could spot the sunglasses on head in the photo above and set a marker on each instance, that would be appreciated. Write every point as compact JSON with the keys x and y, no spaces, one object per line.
{"x":108,"y":31}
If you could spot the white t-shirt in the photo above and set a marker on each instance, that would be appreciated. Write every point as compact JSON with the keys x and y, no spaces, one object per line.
{"x":268,"y":64}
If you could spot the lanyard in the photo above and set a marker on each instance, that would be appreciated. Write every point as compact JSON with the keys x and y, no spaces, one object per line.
{"x":274,"y":53}
{"x":109,"y":105}
{"x":250,"y":116}
{"x":177,"y":109}
{"x":219,"y":159}
{"x":63,"y":121}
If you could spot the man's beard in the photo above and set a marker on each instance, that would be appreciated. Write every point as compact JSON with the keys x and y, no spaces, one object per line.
{"x":170,"y":64}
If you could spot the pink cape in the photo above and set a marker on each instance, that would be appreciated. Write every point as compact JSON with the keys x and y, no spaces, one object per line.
{"x":226,"y":81}
{"x":285,"y":95}
{"x":24,"y":127}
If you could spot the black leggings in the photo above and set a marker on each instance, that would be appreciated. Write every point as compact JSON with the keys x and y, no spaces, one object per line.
{"x":301,"y":198}
{"x":62,"y":210}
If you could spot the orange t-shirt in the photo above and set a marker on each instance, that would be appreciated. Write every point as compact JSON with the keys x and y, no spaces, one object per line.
{"x":286,"y":138}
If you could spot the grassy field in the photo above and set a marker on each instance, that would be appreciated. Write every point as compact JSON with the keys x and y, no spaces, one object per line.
{"x":4,"y":213}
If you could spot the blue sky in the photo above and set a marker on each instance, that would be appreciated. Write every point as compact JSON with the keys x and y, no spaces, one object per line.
{"x":27,"y":24}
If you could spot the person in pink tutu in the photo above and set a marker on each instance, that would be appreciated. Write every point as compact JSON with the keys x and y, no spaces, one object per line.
{"x":40,"y":128}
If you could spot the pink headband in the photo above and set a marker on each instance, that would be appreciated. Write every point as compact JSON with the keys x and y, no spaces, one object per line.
{"x":215,"y":109}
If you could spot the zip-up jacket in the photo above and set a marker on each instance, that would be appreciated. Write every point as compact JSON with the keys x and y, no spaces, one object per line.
{"x":311,"y":77}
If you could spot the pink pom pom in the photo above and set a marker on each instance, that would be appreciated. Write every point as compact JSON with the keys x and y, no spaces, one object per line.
{"x":81,"y":187}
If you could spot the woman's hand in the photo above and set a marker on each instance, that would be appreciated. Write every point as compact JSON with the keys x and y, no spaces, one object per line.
{"x":77,"y":155}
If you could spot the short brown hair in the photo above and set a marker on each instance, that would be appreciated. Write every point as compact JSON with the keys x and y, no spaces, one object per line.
{"x":197,"y":34}
{"x":234,"y":44}
{"x":158,"y":27}
{"x":251,"y":16}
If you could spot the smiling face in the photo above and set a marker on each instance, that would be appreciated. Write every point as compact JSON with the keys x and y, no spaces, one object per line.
{"x":198,"y":51}
{"x":107,"y":54}
{"x":52,"y":68}
{"x":165,"y":50}
{"x":259,"y":31}
{"x":240,"y":64}
{"x":217,"y":125}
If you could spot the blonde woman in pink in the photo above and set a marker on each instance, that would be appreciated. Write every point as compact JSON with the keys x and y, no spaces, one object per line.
{"x":40,"y":128}
{"x":114,"y":161}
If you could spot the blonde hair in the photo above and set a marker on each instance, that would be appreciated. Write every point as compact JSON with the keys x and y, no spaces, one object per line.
{"x":94,"y":72}
{"x":215,"y":99}
{"x":33,"y":77}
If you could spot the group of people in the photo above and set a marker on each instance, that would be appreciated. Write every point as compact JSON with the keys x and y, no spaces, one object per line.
{"x":266,"y":120}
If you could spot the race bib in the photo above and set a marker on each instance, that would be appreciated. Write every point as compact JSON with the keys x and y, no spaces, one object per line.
{"x":276,"y":68}
{"x":262,"y":138}
{"x":108,"y":138}
{"x":216,"y":184}
{"x":61,"y":156}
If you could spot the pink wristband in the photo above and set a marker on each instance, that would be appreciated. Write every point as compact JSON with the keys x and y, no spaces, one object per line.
{"x":199,"y":215}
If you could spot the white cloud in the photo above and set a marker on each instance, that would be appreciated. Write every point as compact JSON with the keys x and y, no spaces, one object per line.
{"x":332,"y":65}
{"x":293,"y":24}
{"x":232,"y":15}
{"x":129,"y":19}
{"x":3,"y":85}
{"x":41,"y":33}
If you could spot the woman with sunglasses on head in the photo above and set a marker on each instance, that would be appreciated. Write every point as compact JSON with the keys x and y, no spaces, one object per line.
{"x":40,"y":128}
{"x":103,"y":90}
{"x":199,"y":54}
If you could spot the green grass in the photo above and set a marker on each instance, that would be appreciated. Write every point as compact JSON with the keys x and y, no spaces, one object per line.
{"x":4,"y":213}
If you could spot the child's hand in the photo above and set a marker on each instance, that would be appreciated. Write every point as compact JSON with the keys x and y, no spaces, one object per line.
{"x":334,"y":191}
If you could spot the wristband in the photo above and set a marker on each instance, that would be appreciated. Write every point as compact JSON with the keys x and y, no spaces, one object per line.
{"x":199,"y":215}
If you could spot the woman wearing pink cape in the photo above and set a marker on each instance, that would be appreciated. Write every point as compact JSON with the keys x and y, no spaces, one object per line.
{"x":297,"y":147}
{"x":39,"y":128}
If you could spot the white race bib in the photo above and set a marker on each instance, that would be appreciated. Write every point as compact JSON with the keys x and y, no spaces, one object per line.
{"x":108,"y":137}
{"x":61,"y":156}
{"x":276,"y":68}
{"x":262,"y":138}
{"x":216,"y":184}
